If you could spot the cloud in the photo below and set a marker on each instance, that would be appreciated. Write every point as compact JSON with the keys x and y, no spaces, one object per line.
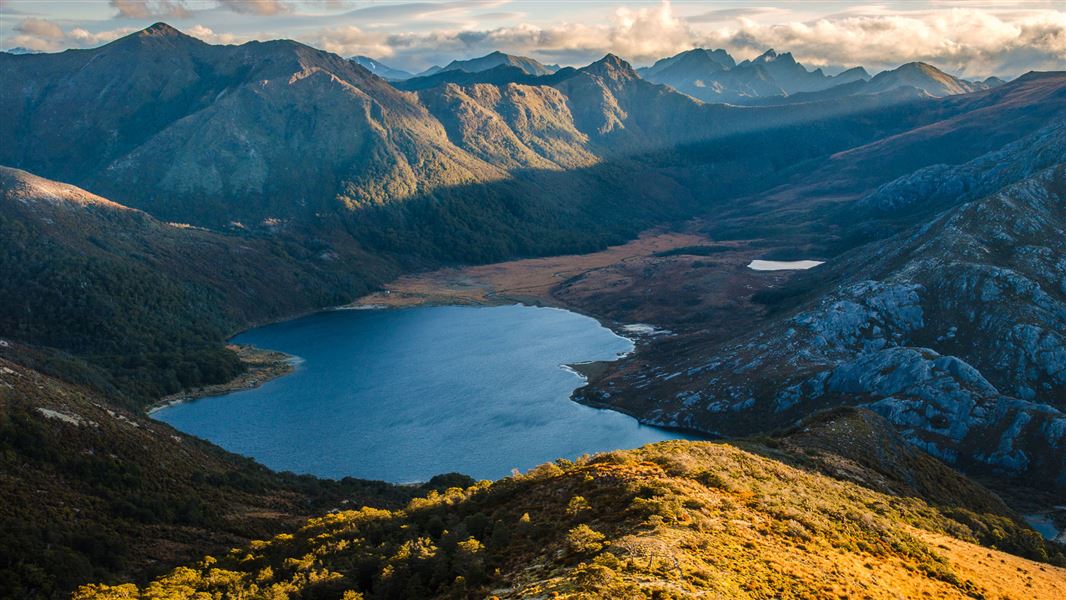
{"x":724,"y":14}
{"x":973,"y":42}
{"x":208,"y":35}
{"x":418,"y":10}
{"x":263,"y":8}
{"x":40,"y":28}
{"x":145,"y":9}
{"x":638,"y":34}
{"x":86,"y":39}
{"x":962,"y":40}
{"x":969,"y":39}
{"x":47,"y":36}
{"x":353,"y":41}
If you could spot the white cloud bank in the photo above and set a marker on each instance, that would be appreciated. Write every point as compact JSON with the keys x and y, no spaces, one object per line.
{"x":969,"y":39}
{"x":965,"y":41}
{"x":149,"y":9}
{"x":972,"y":42}
{"x":47,"y":36}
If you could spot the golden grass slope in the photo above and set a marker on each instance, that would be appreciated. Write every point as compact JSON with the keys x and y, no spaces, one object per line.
{"x":670,"y":520}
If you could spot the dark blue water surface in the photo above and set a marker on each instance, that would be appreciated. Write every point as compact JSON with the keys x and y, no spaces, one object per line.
{"x":402,"y":395}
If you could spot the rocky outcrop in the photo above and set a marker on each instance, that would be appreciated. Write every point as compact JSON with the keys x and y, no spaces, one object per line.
{"x":938,"y":187}
{"x":954,"y":332}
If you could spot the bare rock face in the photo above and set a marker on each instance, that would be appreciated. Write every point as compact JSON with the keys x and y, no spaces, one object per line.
{"x":940,"y":186}
{"x":954,"y":331}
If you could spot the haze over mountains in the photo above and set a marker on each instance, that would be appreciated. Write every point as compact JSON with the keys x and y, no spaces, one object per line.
{"x":164,"y":193}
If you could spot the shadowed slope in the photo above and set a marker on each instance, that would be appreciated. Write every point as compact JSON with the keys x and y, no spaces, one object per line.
{"x":89,"y":491}
{"x":148,"y":302}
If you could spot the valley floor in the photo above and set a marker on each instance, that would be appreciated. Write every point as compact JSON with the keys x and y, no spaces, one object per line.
{"x":527,"y":280}
{"x":676,"y":280}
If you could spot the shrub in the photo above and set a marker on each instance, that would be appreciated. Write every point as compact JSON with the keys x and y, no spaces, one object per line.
{"x":584,"y":540}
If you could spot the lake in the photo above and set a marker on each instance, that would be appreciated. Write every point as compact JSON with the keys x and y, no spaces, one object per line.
{"x":404,"y":394}
{"x":784,"y":265}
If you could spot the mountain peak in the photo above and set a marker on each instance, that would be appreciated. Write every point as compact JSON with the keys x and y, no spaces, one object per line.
{"x":161,"y":29}
{"x":922,"y":70}
{"x":611,"y":62}
{"x":380,"y":69}
{"x":924,"y":77}
{"x":917,"y":66}
{"x":771,"y":56}
{"x":701,"y":56}
{"x":697,"y":63}
{"x":491,"y":60}
{"x":157,"y":34}
{"x":22,"y":50}
{"x":859,"y":72}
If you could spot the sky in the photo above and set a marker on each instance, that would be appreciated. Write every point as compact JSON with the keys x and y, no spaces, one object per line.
{"x":968,"y":38}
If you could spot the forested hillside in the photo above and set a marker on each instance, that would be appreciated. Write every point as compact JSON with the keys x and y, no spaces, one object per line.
{"x":146,"y":305}
{"x":90,"y":491}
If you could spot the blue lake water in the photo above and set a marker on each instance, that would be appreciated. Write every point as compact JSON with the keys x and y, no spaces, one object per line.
{"x":404,"y":394}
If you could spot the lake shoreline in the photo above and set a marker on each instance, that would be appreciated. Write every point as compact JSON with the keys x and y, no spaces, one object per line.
{"x":266,"y":365}
{"x":479,"y":285}
{"x":367,"y":378}
{"x":262,"y":365}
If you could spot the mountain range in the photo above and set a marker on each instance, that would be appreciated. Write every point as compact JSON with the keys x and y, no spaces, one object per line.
{"x":165,"y":193}
{"x":201,"y":123}
{"x":710,"y":76}
{"x":714,"y":76}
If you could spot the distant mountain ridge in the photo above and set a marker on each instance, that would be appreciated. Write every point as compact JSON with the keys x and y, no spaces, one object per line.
{"x":21,"y":50}
{"x":696,"y":56}
{"x":499,"y":75}
{"x":714,"y":76}
{"x":794,"y":77}
{"x":495,"y":59}
{"x":381,"y":69}
{"x":924,"y":77}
